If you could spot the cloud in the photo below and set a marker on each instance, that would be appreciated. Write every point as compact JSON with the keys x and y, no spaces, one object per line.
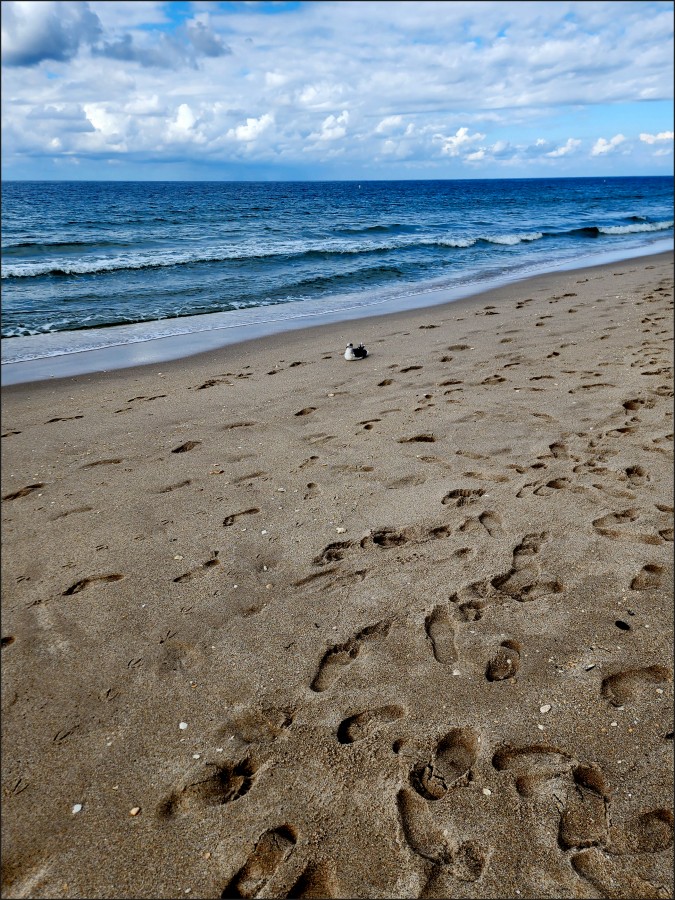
{"x":194,"y":39}
{"x":568,"y":147}
{"x":333,"y":128}
{"x":253,"y":128}
{"x":654,"y":138}
{"x":389,"y":124}
{"x":200,"y":35}
{"x":602,"y":146}
{"x":34,"y":32}
{"x":293,"y":86}
{"x":451,"y":146}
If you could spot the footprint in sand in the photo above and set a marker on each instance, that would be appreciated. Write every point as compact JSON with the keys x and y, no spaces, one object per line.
{"x":523,"y":581}
{"x":492,"y":523}
{"x":462,"y":496}
{"x":216,"y":785}
{"x":174,"y":487}
{"x":333,"y":552}
{"x":317,"y":880}
{"x":585,"y":818}
{"x":24,"y":491}
{"x":85,"y":582}
{"x":62,"y":419}
{"x":469,"y":610}
{"x":186,"y":447}
{"x":464,"y":861}
{"x":505,"y":663}
{"x":255,"y":726}
{"x":418,"y":439}
{"x":422,"y":835}
{"x":609,"y":880}
{"x":441,"y":632}
{"x":197,"y":571}
{"x":232,"y":518}
{"x":366,"y":723}
{"x":102,"y":462}
{"x":271,"y":850}
{"x":649,"y":832}
{"x":648,"y":578}
{"x":386,"y":537}
{"x":338,"y":657}
{"x":449,"y":765}
{"x":622,"y":687}
{"x":535,"y":768}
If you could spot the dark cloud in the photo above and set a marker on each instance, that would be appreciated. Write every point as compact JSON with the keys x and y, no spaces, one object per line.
{"x":204,"y":41}
{"x":35,"y":32}
{"x":191,"y":41}
{"x":57,"y":29}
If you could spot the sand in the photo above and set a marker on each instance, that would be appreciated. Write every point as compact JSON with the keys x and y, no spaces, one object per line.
{"x":280,"y":625}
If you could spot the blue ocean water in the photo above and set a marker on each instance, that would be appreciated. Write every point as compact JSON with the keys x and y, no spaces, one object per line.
{"x":95,"y":264}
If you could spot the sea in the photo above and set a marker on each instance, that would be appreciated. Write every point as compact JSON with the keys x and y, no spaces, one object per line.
{"x":155,"y":270}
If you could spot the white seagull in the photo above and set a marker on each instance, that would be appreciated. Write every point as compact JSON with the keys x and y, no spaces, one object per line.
{"x":353,"y":352}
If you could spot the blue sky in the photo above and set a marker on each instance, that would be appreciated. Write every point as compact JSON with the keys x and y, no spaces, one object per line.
{"x":353,"y":89}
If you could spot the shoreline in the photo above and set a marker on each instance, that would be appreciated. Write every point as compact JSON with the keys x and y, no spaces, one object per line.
{"x":276,"y":624}
{"x":180,"y":347}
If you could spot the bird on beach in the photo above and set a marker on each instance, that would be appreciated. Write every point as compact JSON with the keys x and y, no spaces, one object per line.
{"x":353,"y":352}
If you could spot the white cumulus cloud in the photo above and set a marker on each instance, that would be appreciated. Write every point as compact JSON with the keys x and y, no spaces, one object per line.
{"x":333,"y":127}
{"x":603,"y":146}
{"x":461,"y":140}
{"x":388,"y":124}
{"x":654,"y":138}
{"x":568,"y":147}
{"x":253,"y":128}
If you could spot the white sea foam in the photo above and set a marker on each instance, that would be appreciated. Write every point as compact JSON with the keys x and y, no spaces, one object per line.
{"x":512,"y":239}
{"x":635,"y":229}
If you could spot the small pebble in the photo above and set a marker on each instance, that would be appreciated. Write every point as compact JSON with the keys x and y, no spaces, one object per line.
{"x":487,"y":792}
{"x":77,"y":808}
{"x":340,"y":530}
{"x":591,"y":666}
{"x":196,"y":755}
{"x":263,"y":531}
{"x":135,"y":811}
{"x":614,"y":724}
{"x":183,"y":726}
{"x":178,"y":556}
{"x":546,"y":708}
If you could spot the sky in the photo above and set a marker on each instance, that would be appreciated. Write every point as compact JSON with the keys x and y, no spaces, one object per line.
{"x":336,"y":89}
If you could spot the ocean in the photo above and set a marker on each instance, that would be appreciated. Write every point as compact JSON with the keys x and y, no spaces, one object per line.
{"x":90,"y":265}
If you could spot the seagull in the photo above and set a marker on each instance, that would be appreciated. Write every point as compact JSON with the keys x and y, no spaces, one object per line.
{"x":353,"y":352}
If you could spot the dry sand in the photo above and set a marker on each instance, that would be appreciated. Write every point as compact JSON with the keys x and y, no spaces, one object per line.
{"x":414,"y":613}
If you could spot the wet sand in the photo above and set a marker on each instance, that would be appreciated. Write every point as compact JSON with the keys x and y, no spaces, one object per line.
{"x":276,"y":624}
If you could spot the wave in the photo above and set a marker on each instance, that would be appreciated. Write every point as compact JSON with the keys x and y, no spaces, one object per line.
{"x":636,"y":228}
{"x":173,"y":259}
{"x":45,"y":246}
{"x":392,"y":228}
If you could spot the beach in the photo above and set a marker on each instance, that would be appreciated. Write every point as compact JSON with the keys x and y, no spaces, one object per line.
{"x":276,"y":624}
